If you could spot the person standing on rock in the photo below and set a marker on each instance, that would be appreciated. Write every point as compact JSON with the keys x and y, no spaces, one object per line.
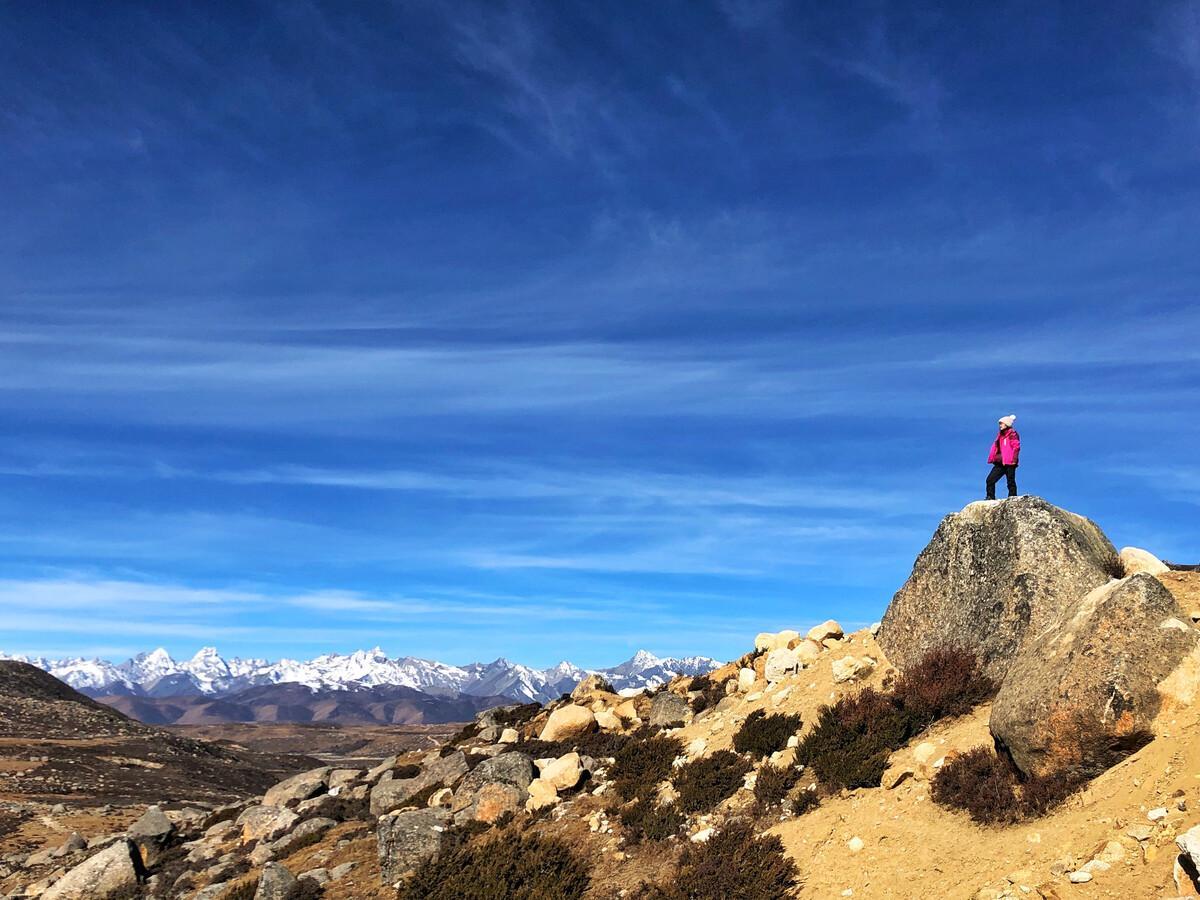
{"x":1005,"y":456}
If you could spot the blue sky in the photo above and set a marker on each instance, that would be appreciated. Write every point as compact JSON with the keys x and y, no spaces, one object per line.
{"x":563,"y":329}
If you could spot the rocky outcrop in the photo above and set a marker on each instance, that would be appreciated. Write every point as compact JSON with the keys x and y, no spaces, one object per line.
{"x":444,"y":770}
{"x":406,"y":839}
{"x":1088,"y":680}
{"x":110,"y":873}
{"x":298,"y":787}
{"x":993,"y":573}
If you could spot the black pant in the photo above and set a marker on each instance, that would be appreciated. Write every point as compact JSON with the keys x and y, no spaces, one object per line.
{"x":1009,"y":472}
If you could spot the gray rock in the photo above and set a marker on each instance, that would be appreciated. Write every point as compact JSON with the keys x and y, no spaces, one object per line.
{"x":320,"y":876}
{"x":408,"y":838}
{"x":389,"y":795}
{"x":376,"y":774}
{"x":337,"y":873}
{"x":668,"y":710}
{"x":152,"y":832}
{"x":1090,"y":678}
{"x":992,"y":573}
{"x":276,"y":883}
{"x":302,"y":834}
{"x":298,"y":787}
{"x":109,"y":874}
{"x":507,"y":768}
{"x":72,"y":844}
{"x":265,"y":823}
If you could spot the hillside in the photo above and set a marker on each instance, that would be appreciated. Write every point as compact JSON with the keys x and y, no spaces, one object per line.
{"x":289,"y":702}
{"x":1039,"y":739}
{"x":59,"y":745}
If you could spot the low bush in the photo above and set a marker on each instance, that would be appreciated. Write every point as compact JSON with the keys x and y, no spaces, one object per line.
{"x":512,"y":716}
{"x":734,"y":864}
{"x":517,"y":867}
{"x":243,"y":890}
{"x":348,"y":809}
{"x":773,"y":785}
{"x":981,"y":783}
{"x":990,"y":789}
{"x":645,"y":820}
{"x":804,"y":800}
{"x":642,"y":762}
{"x":307,"y":889}
{"x":705,"y":782}
{"x":945,"y":682}
{"x":851,"y":742}
{"x":762,"y":735}
{"x":597,"y":744}
{"x":710,"y":693}
{"x":464,"y":734}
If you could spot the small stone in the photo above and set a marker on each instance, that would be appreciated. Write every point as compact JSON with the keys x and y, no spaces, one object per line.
{"x":1140,"y":832}
{"x":1080,"y":877}
{"x":509,"y":736}
{"x":855,"y":844}
{"x":1157,"y":814}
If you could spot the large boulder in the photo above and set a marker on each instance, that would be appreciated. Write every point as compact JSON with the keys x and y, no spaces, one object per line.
{"x":493,"y":787}
{"x":445,"y":770}
{"x":110,"y":873}
{"x":994,"y":572}
{"x":298,"y":787}
{"x":265,"y":823}
{"x":276,"y":883}
{"x":406,"y":839}
{"x":669,"y":710}
{"x":1088,"y":682}
{"x":567,"y":722}
{"x":152,"y":833}
{"x":1136,"y":560}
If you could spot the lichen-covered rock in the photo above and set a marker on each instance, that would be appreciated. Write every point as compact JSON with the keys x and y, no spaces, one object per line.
{"x":993,"y":573}
{"x":298,"y":787}
{"x":668,"y":710}
{"x":265,"y":823}
{"x":301,"y":834}
{"x":445,"y":770}
{"x":276,"y":883}
{"x":1092,"y":673}
{"x":406,"y":839}
{"x":110,"y":873}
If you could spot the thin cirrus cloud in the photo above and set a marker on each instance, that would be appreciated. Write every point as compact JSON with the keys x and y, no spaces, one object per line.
{"x":572,"y":333}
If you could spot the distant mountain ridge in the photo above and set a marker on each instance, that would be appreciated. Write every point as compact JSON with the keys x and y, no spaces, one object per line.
{"x":156,"y":675}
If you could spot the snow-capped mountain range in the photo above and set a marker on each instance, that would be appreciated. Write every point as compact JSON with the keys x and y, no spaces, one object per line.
{"x":156,"y":674}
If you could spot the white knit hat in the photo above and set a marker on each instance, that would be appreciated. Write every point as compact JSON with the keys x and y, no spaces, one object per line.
{"x":1008,"y":420}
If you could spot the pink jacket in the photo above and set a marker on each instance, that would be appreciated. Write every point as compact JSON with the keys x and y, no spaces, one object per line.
{"x":1006,"y":449}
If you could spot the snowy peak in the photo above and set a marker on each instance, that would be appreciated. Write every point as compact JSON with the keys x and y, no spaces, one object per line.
{"x":157,"y":674}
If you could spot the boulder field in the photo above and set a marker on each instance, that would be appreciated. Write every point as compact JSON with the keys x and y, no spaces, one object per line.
{"x":1095,"y":657}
